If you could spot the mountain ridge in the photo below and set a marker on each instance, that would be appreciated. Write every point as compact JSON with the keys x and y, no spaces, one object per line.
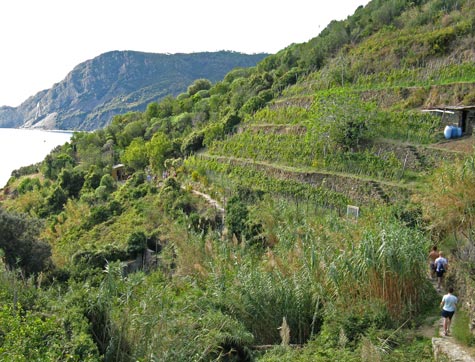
{"x":117,"y":82}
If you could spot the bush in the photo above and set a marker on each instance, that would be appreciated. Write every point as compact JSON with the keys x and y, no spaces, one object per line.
{"x":26,"y":170}
{"x":461,"y":330}
{"x":236,"y":217}
{"x":193,"y":142}
{"x":253,"y":104}
{"x":71,"y":181}
{"x":136,"y":243}
{"x":54,"y":163}
{"x":27,"y":336}
{"x":28,"y":184}
{"x":101,"y":213}
{"x":99,"y":258}
{"x":54,"y":202}
{"x":199,"y":85}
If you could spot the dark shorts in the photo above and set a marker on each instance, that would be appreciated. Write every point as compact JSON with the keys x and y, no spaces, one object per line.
{"x":432,"y":267}
{"x":447,"y":314}
{"x":440,"y":273}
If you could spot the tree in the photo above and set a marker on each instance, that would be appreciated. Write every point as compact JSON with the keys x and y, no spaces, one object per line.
{"x":347,"y":120}
{"x":92,"y":179}
{"x":193,"y":142}
{"x":198,"y":85}
{"x":108,"y":182}
{"x":253,"y":104}
{"x":136,"y":243}
{"x":54,"y":163}
{"x":135,"y":155}
{"x":55,"y":201}
{"x":167,"y":106}
{"x":106,"y":187}
{"x":230,"y":121}
{"x":152,"y":111}
{"x":19,"y":241}
{"x":133,"y":130}
{"x":88,"y":147}
{"x":158,"y":150}
{"x":28,"y":184}
{"x":71,"y":181}
{"x":181,"y":122}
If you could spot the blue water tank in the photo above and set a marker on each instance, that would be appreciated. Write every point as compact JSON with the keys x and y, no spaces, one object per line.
{"x":454,"y":132}
{"x":448,"y":132}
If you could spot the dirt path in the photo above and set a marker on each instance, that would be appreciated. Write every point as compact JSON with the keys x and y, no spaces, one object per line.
{"x":210,"y":200}
{"x":445,"y":348}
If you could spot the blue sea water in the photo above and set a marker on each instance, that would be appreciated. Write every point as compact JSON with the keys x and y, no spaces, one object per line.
{"x":23,"y":147}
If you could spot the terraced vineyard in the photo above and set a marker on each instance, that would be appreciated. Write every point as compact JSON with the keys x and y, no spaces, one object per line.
{"x":357,"y":151}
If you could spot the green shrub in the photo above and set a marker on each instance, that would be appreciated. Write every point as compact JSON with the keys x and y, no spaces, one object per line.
{"x":27,"y":336}
{"x":28,"y":184}
{"x":26,"y":170}
{"x":461,"y":330}
{"x":253,"y":104}
{"x":236,"y":218}
{"x":136,"y":243}
{"x":193,"y":142}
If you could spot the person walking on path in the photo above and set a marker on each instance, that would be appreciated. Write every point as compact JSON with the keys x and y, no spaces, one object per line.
{"x":441,"y":266}
{"x":448,"y":305}
{"x":434,"y":254}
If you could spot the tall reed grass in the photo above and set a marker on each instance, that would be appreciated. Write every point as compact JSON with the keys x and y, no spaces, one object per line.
{"x":388,"y":265}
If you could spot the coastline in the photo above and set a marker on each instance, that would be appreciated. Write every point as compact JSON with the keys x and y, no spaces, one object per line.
{"x":19,"y":148}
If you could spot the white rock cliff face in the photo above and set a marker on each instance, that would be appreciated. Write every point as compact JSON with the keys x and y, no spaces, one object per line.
{"x":47,"y":122}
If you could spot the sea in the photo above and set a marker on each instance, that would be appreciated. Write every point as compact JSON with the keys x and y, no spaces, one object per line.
{"x":24,"y":147}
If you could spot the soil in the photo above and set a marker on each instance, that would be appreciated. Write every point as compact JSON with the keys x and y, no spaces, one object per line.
{"x":463,"y":144}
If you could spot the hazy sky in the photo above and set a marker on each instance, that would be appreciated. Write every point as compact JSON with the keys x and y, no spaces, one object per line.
{"x":43,"y":40}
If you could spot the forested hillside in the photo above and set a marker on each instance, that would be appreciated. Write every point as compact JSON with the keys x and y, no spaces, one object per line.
{"x":283,"y":213}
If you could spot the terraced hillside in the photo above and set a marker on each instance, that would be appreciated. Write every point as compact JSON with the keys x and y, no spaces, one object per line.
{"x":357,"y":118}
{"x":339,"y":141}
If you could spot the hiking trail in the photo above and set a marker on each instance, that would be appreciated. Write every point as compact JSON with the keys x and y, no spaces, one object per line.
{"x":210,"y":200}
{"x":445,"y":348}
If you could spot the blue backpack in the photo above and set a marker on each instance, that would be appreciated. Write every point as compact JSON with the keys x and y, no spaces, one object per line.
{"x":440,"y":267}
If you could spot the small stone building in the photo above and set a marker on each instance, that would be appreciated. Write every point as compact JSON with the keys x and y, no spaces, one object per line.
{"x":118,"y":172}
{"x":463,"y":115}
{"x":466,"y":117}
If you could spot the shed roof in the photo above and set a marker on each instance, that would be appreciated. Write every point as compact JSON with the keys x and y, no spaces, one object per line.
{"x":450,"y":108}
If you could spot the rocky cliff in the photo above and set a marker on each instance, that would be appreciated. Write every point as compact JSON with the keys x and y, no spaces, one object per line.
{"x":118,"y":82}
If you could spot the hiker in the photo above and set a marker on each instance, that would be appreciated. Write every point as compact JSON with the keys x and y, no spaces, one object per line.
{"x":434,"y":254}
{"x":448,"y":309}
{"x":441,"y":266}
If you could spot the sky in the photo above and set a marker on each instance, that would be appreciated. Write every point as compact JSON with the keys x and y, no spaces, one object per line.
{"x":41,"y":41}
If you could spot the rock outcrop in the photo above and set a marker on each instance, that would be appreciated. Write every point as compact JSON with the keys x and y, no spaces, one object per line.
{"x":118,"y":82}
